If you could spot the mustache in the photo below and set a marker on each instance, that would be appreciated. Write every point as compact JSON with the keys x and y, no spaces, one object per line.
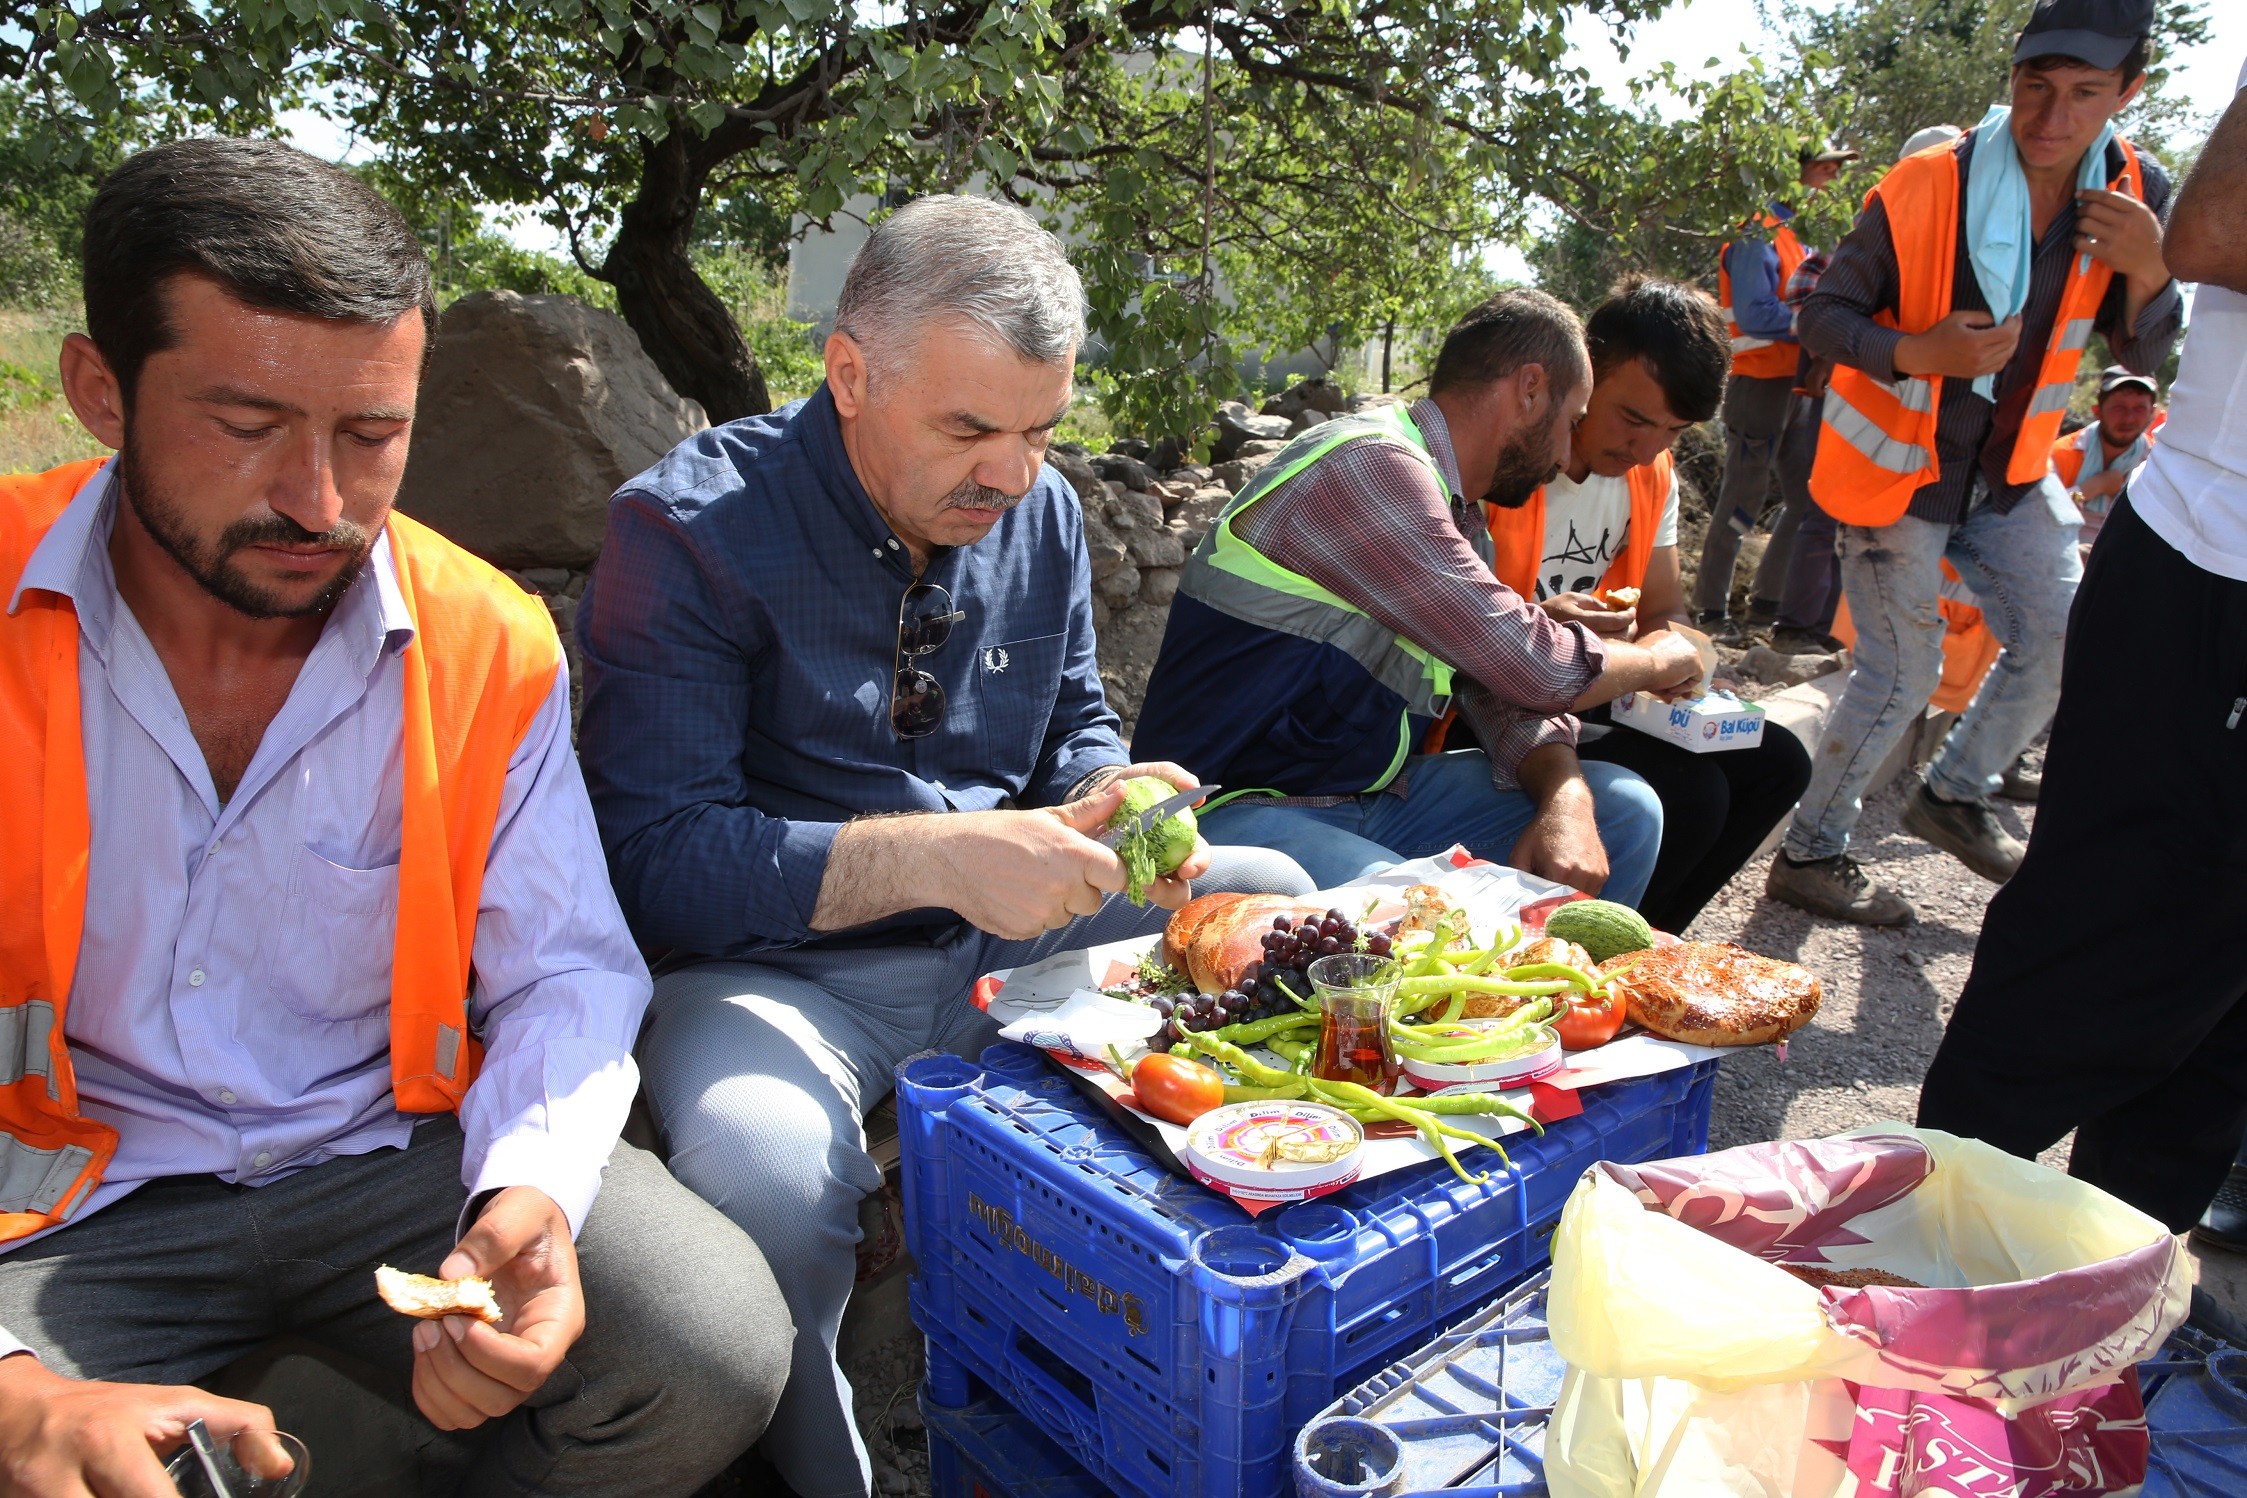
{"x":971,"y":495}
{"x":280,"y":530}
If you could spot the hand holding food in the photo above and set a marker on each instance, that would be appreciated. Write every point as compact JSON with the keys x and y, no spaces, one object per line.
{"x":421,"y":1296}
{"x":1152,"y":852}
{"x":1598,"y":613}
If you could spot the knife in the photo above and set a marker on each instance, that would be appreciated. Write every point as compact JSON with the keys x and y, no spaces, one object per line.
{"x":1170,"y":806}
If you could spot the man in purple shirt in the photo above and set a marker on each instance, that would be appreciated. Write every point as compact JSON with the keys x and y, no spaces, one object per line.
{"x":259,"y":324}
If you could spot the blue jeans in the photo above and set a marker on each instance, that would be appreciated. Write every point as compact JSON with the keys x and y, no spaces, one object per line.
{"x":2023,"y":568}
{"x":1451,"y":800}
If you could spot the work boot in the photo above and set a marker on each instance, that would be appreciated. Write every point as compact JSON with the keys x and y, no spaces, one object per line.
{"x":2021,"y":783}
{"x":1967,"y":830}
{"x":1836,"y":887}
{"x":2224,"y":1224}
{"x":1763,"y":613}
{"x":1788,"y":640}
{"x":1720,"y":627}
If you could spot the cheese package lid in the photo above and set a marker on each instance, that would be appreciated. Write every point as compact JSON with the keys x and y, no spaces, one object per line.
{"x":1276,"y":1151}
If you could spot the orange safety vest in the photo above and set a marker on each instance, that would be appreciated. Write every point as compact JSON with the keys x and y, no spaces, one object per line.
{"x":1761,"y":358}
{"x":1878,"y":441}
{"x":1517,"y":536}
{"x":480,"y":666}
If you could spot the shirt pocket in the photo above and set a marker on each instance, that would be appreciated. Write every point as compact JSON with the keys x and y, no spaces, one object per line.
{"x":1016,"y":682}
{"x":329,"y":956}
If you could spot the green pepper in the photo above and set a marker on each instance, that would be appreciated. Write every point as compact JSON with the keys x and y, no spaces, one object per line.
{"x":1252,"y":1031}
{"x":1430,"y":1129}
{"x":1234,"y":1058}
{"x":1573,"y":975}
{"x":1288,"y":1047}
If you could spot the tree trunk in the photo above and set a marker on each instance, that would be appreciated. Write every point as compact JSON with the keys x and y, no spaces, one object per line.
{"x":683,"y":326}
{"x":1388,"y":342}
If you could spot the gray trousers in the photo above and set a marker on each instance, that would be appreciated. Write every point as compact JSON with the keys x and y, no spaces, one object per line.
{"x":759,"y":1074}
{"x":681,"y":1363}
{"x":1756,"y":418}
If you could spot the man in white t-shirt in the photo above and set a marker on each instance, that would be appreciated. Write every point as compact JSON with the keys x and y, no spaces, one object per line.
{"x":2140,"y":842}
{"x":1603,"y":533}
{"x":1586,"y":524}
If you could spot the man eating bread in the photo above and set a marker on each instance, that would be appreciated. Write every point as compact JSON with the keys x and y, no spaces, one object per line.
{"x":307,"y":961}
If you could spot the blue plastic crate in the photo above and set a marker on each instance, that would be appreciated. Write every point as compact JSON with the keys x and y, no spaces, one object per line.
{"x":982,"y":1449}
{"x":2196,"y":1414}
{"x":1170,"y":1342}
{"x":1464,"y":1417}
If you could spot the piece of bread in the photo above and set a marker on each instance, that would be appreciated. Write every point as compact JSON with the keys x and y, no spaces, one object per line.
{"x":1214,"y":940}
{"x":419,"y":1295}
{"x":1546,"y":949}
{"x":1714,"y":993}
{"x":1619,"y":598}
{"x":1425,"y":906}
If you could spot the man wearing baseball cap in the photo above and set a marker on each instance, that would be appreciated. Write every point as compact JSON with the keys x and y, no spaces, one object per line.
{"x":2094,"y":462}
{"x":1956,"y":312}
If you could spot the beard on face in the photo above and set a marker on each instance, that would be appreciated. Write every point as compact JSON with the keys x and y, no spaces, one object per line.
{"x":211,"y":563}
{"x":971,"y":495}
{"x":1525,"y":464}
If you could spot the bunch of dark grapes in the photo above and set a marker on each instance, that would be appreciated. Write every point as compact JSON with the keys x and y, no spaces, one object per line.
{"x":1289,"y":951}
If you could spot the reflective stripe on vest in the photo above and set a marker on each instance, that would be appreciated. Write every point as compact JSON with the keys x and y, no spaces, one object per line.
{"x":1756,"y":358}
{"x":479,"y":668}
{"x":1878,"y":444}
{"x":1237,"y":580}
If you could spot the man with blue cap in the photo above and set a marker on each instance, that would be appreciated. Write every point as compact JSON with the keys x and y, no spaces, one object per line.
{"x":1956,"y":312}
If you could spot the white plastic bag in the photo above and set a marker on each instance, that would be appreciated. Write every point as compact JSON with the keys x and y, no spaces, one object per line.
{"x":1699,"y":1367}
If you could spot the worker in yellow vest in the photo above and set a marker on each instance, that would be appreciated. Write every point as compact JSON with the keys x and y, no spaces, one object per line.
{"x":1597,"y":544}
{"x":1956,"y":312}
{"x":1752,"y":275}
{"x":2095,"y":461}
{"x":308,"y":958}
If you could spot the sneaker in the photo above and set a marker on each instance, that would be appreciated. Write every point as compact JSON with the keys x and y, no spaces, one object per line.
{"x":2224,"y":1224}
{"x":2021,"y":783}
{"x":1788,"y":640}
{"x":1837,"y":888}
{"x":1967,"y":830}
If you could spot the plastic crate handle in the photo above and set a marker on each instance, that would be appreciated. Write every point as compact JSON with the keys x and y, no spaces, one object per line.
{"x":1048,"y":1390}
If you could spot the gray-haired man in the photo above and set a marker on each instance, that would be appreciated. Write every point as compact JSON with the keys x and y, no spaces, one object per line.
{"x":847,"y":746}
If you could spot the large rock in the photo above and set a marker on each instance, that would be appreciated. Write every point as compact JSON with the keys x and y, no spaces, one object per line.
{"x":1237,"y":425}
{"x":1124,"y":469}
{"x":1104,"y":547}
{"x":535,"y":409}
{"x":1320,"y":395}
{"x":1155,"y":548}
{"x":1072,"y":463}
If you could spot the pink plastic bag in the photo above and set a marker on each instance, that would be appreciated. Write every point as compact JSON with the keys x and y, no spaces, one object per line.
{"x":1699,"y":1367}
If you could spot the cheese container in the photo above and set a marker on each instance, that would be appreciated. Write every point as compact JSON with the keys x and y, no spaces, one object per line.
{"x":1540,"y":1060}
{"x":1238,"y":1149}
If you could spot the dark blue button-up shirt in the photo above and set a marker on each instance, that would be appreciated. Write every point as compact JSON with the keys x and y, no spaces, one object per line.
{"x":740,"y":638}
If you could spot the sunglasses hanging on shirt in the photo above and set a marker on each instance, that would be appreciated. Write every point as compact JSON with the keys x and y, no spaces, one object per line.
{"x":925,"y":617}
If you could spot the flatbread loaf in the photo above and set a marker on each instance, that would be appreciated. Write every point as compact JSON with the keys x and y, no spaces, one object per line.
{"x":419,"y":1295}
{"x":1714,"y":993}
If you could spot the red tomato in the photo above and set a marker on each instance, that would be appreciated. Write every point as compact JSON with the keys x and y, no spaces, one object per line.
{"x":1176,"y":1088}
{"x":1591,"y":1019}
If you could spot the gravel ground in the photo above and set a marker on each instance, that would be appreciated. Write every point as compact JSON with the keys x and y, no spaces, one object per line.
{"x":1887,"y":996}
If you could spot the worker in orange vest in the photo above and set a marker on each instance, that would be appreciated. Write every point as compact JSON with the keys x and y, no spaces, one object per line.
{"x":1597,"y":544}
{"x":308,"y":958}
{"x":2094,"y":462}
{"x":1752,"y":275}
{"x":1957,"y":311}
